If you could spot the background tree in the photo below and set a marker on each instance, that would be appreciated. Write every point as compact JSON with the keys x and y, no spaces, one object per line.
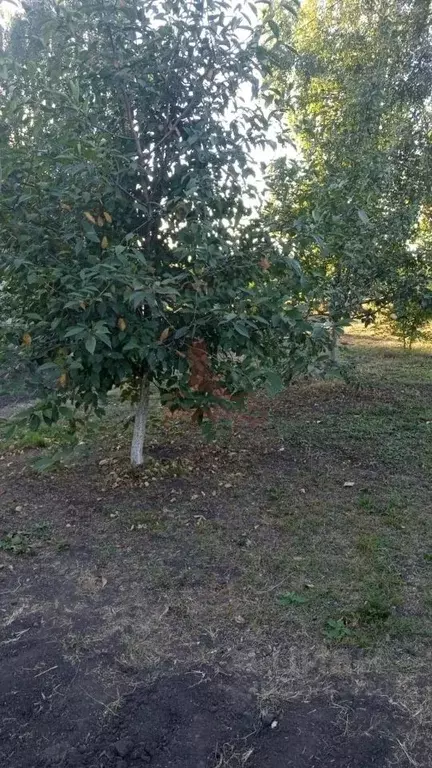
{"x":350,"y":203}
{"x":125,"y":129}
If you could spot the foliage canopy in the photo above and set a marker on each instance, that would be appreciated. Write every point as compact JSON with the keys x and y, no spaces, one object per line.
{"x":362,"y":122}
{"x":128,"y":250}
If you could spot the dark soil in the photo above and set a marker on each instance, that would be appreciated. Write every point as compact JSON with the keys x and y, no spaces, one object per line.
{"x":194,"y":720}
{"x":205,"y":723}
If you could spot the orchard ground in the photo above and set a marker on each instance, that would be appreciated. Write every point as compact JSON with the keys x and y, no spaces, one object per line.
{"x":262,"y":600}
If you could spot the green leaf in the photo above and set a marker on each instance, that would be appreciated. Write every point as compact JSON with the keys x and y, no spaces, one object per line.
{"x":291,"y":598}
{"x":49,"y":367}
{"x":241,"y":329}
{"x":229,"y":317}
{"x":180,"y":332}
{"x":132,"y":344}
{"x":45,"y":462}
{"x":336,"y":629}
{"x":66,"y":411}
{"x":274,"y":383}
{"x":138,"y":298}
{"x":75,"y":331}
{"x":90,"y":232}
{"x":105,"y":339}
{"x":291,"y":7}
{"x":274,"y":28}
{"x":90,"y":344}
{"x":34,"y":422}
{"x":9,"y":431}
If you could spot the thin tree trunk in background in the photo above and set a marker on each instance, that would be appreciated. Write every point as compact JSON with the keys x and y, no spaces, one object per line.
{"x":140,"y":423}
{"x":334,"y":356}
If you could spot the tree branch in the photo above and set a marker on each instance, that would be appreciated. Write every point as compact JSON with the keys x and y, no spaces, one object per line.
{"x":185,"y":112}
{"x":130,"y":120}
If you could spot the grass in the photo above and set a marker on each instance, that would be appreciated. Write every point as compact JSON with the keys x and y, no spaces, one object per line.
{"x":367,"y":533}
{"x":71,"y":444}
{"x":28,"y":541}
{"x":306,"y":533}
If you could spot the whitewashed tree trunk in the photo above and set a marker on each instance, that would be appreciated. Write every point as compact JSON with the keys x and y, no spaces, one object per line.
{"x":140,"y":423}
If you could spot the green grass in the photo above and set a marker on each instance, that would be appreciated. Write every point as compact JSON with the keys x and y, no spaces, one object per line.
{"x":64,"y":444}
{"x":358,"y":555}
{"x":31,"y":540}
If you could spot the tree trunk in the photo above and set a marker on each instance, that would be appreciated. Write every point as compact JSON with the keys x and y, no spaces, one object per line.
{"x":334,"y":352}
{"x":139,"y":431}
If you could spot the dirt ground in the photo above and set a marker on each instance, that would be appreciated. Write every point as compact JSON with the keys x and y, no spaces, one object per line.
{"x":262,"y":600}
